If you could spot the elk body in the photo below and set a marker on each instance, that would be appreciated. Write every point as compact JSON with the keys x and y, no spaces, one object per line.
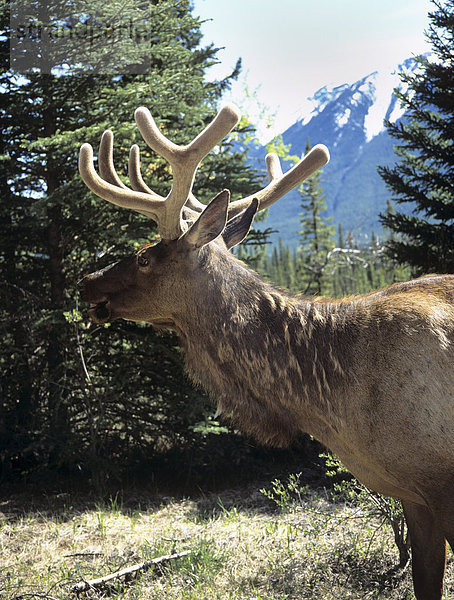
{"x":371,"y":377}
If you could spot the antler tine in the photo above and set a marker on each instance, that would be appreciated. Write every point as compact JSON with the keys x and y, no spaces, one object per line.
{"x":273,"y":165}
{"x":225,"y":121}
{"x":282,"y":183}
{"x":135,"y":176}
{"x":195,"y":204}
{"x":105,"y":160}
{"x":184,"y":161}
{"x":150,"y":205}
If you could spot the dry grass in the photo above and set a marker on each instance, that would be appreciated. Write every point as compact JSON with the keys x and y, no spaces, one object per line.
{"x":241,"y":549}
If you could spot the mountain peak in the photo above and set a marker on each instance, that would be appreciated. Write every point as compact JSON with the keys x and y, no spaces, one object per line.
{"x":349,"y":119}
{"x":368,"y":101}
{"x":315,"y":104}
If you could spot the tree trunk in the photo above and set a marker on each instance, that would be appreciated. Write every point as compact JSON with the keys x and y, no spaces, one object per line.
{"x":57,"y":394}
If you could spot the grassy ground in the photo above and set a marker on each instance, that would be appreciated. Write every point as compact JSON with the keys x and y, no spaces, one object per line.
{"x":241,"y":548}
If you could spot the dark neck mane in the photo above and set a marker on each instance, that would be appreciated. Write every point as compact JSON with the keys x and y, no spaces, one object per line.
{"x":260,"y":352}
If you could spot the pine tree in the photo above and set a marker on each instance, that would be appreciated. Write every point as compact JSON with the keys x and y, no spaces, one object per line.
{"x":424,"y":173}
{"x":316,"y":237}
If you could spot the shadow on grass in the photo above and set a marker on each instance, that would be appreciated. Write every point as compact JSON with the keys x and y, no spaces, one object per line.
{"x":17,"y":502}
{"x":348,"y":577}
{"x":223,"y":468}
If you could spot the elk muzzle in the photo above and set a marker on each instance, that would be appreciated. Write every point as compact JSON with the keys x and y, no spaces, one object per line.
{"x":100,"y":308}
{"x":102,"y":289}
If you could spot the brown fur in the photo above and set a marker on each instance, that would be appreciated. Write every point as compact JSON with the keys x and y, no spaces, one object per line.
{"x":371,"y":377}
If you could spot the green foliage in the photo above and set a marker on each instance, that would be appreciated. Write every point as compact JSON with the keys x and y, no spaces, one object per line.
{"x":286,"y":495}
{"x":75,"y":396}
{"x":209,"y":426}
{"x":372,"y":504}
{"x":318,"y":267}
{"x":423,"y":173}
{"x":347,"y":269}
{"x":292,"y":494}
{"x":253,"y":249}
{"x":278,"y":146}
{"x":359,"y":269}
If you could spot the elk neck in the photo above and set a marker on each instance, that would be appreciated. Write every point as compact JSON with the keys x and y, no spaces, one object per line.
{"x":269,"y":358}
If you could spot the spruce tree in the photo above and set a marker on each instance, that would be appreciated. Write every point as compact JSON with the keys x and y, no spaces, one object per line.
{"x":316,"y":237}
{"x":423,"y":177}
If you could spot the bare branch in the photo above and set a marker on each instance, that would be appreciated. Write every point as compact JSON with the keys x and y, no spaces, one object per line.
{"x":84,"y":586}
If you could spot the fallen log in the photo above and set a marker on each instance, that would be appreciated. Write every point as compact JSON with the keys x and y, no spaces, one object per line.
{"x":86,"y":585}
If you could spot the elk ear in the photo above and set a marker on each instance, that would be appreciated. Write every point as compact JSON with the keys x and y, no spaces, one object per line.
{"x":238,"y":227}
{"x":211,"y":222}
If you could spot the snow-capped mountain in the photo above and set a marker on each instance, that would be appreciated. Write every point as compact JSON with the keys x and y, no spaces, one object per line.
{"x":349,"y":119}
{"x":374,"y":93}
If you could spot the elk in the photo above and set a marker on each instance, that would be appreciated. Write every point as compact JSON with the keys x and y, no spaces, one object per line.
{"x":371,"y":377}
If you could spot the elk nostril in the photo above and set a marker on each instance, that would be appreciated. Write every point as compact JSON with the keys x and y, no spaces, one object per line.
{"x":102,"y":311}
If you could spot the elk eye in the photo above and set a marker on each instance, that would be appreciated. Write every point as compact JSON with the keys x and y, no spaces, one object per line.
{"x":142,"y":260}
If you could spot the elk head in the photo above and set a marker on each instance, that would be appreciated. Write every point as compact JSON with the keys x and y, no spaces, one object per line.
{"x":154,"y":284}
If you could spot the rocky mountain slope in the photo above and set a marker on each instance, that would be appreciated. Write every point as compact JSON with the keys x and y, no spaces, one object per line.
{"x":349,"y":120}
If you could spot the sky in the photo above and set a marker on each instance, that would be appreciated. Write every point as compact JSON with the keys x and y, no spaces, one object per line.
{"x":292,"y":48}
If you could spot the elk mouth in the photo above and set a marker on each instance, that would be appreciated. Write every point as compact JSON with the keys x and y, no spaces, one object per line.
{"x":100,"y":312}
